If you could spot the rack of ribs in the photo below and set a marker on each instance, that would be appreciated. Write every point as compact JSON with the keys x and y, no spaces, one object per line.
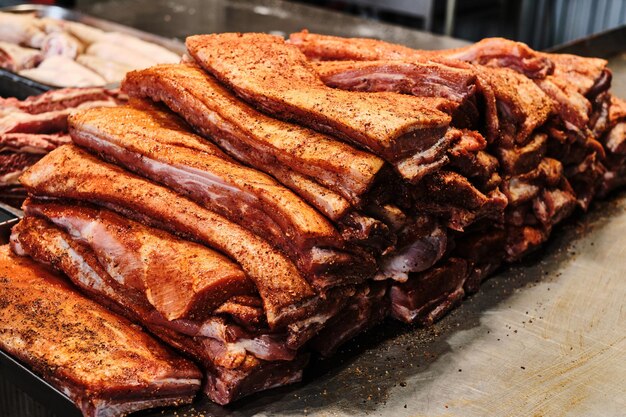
{"x":104,"y":363}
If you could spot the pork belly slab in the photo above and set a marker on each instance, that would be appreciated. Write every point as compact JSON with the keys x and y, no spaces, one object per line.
{"x":495,"y":52}
{"x":95,"y":181}
{"x":235,"y":361}
{"x":518,"y":108}
{"x":58,"y":99}
{"x":181,"y":279}
{"x":104,"y":363}
{"x":423,"y":79}
{"x":69,"y":172}
{"x":331,"y":176}
{"x":276,"y":77}
{"x":280,"y":149}
{"x":146,"y":140}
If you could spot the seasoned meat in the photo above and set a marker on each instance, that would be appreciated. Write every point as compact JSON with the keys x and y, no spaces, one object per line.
{"x":105,"y":364}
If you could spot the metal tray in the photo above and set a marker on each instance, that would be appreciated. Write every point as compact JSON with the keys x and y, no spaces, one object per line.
{"x":15,"y":85}
{"x":543,"y":337}
{"x":8,"y":217}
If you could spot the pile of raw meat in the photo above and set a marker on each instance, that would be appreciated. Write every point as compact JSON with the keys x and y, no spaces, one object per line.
{"x":31,"y":128}
{"x":64,"y":53}
{"x":266,"y":199}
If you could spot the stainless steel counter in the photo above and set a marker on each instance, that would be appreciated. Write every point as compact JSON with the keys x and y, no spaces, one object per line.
{"x":178,"y":19}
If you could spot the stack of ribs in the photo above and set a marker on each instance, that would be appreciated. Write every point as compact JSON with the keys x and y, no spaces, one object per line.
{"x":265,"y":199}
{"x":31,"y":128}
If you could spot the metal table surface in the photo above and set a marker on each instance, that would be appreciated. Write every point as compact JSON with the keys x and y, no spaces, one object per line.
{"x":543,"y":338}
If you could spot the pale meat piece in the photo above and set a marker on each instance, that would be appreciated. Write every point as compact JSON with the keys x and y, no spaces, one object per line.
{"x":254,"y":138}
{"x":120,"y":54}
{"x":62,"y":44}
{"x":146,"y":140}
{"x":106,"y":365}
{"x":494,"y":52}
{"x":21,"y":29}
{"x":16,"y":58}
{"x":85,"y":33}
{"x":69,"y":172}
{"x":277,"y":78}
{"x":181,"y":279}
{"x":111,"y":71}
{"x":157,"y":53}
{"x":60,"y":71}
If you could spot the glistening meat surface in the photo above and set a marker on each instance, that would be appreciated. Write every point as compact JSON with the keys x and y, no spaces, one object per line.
{"x":276,"y":77}
{"x":230,"y":342}
{"x":106,"y":365}
{"x":294,"y":155}
{"x":495,"y":52}
{"x":140,"y":142}
{"x":181,"y":279}
{"x":221,"y":348}
{"x":422,"y":79}
{"x":69,"y":172}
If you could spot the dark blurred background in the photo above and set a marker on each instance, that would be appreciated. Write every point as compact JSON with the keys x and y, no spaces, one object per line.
{"x":540,"y":23}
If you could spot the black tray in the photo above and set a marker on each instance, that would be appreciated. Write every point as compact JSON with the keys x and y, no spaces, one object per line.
{"x":8,"y":217}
